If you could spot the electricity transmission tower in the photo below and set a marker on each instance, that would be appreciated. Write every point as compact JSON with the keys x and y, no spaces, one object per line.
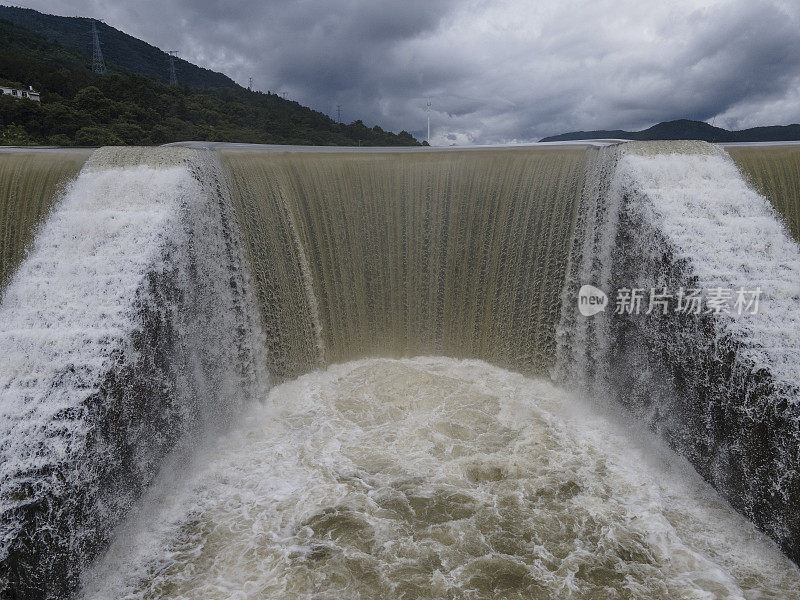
{"x":250,"y":84}
{"x":98,"y":64}
{"x":173,"y":75}
{"x":338,"y":113}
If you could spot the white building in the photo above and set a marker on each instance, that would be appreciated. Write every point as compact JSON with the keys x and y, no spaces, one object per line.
{"x":21,"y":93}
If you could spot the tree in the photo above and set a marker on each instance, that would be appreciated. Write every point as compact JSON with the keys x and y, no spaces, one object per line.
{"x":15,"y":135}
{"x":97,"y":136}
{"x":129,"y":108}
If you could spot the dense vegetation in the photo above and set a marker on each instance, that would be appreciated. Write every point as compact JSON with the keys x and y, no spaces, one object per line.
{"x":684,"y":129}
{"x":124,"y":107}
{"x":119,"y":48}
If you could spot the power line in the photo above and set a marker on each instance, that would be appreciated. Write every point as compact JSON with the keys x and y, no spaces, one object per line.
{"x":98,"y":64}
{"x":173,"y":75}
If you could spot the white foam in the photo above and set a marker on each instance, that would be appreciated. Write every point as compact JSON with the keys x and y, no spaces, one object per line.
{"x":732,"y":238}
{"x":70,"y":305}
{"x":435,"y":478}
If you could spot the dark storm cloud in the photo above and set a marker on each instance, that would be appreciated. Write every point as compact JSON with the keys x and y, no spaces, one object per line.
{"x":496,"y":71}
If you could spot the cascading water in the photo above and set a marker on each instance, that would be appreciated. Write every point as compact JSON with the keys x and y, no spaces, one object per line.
{"x":773,"y":171}
{"x":721,"y":387}
{"x":119,"y":331}
{"x":29,"y":182}
{"x":581,"y":352}
{"x":169,"y":286}
{"x":402,"y":254}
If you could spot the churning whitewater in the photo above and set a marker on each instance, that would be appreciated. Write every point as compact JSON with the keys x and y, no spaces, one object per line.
{"x":720,"y":387}
{"x":435,"y":478}
{"x":124,"y":332}
{"x":65,"y":317}
{"x":145,"y":455}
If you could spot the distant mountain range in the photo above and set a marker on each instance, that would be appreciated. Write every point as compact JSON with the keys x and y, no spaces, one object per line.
{"x":118,"y":47}
{"x":684,"y":129}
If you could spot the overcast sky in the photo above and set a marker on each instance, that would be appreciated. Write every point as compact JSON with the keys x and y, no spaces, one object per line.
{"x":495,"y":71}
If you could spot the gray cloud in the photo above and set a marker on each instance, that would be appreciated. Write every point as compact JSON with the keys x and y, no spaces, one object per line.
{"x":496,"y":70}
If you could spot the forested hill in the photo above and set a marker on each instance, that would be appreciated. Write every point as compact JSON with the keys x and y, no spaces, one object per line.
{"x":685,"y":129}
{"x":82,"y":108}
{"x":118,"y":47}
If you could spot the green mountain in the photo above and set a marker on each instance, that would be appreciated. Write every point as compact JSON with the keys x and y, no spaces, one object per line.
{"x":82,"y":108}
{"x":684,"y":129}
{"x":118,"y":47}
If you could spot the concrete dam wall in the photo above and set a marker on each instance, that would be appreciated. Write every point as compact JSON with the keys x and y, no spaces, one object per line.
{"x":148,"y":295}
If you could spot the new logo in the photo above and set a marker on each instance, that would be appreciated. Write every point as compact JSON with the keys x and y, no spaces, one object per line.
{"x":591,"y":300}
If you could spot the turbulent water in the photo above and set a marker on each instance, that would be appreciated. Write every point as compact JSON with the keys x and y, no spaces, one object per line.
{"x":720,"y":387}
{"x":29,"y":184}
{"x":123,"y":331}
{"x":436,"y":478}
{"x":144,"y":455}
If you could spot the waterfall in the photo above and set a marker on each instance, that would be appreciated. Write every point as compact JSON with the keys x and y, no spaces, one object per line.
{"x":772,"y":170}
{"x":581,"y":352}
{"x":153,"y":304}
{"x":30,"y":181}
{"x":124,"y":330}
{"x":403,"y":254}
{"x":720,"y":388}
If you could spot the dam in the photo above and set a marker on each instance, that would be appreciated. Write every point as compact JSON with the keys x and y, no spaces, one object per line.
{"x":246,"y":371}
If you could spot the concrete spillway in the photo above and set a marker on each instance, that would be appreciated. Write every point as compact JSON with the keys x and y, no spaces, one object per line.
{"x":151,"y":303}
